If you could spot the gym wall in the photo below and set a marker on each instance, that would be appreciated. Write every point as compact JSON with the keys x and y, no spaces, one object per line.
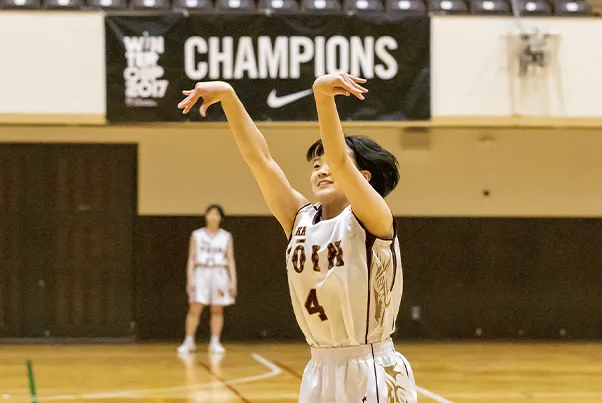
{"x":516,"y":263}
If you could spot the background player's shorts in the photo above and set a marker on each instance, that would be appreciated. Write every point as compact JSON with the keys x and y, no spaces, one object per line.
{"x":358,"y":375}
{"x":212,"y":286}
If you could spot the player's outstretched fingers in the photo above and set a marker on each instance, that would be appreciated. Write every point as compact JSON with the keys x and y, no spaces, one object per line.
{"x":350,"y":80}
{"x":353,"y":88}
{"x":357,"y":79}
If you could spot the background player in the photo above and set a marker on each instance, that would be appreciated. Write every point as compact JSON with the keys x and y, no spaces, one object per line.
{"x":211,"y":278}
{"x":343,"y":263}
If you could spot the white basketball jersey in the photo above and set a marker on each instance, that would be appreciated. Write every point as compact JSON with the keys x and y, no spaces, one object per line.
{"x":210,"y":249}
{"x":345,"y":283}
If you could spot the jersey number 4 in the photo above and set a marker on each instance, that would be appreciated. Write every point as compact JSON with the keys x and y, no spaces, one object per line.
{"x":313,"y":306}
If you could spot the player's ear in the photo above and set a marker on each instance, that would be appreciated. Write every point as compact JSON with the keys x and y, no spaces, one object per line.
{"x":366,"y":175}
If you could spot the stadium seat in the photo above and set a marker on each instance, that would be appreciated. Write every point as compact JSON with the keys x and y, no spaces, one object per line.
{"x":490,"y":7}
{"x":326,"y":6}
{"x":535,"y":7}
{"x":197,"y":5}
{"x":448,"y":7}
{"x":572,"y":7}
{"x":107,"y":4}
{"x":236,"y":5}
{"x":278,"y":6}
{"x":359,"y":6}
{"x":20,"y":4}
{"x":63,"y":4}
{"x":151,"y":4}
{"x":410,"y":7}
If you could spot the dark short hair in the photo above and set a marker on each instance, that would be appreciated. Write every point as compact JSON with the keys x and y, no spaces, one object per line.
{"x":217,"y":207}
{"x":369,"y":156}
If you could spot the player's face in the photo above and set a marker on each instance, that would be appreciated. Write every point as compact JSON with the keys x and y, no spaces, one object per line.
{"x":213,"y":218}
{"x":322,"y":183}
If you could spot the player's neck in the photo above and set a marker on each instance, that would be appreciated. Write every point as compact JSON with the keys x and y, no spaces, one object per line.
{"x":333,"y":209}
{"x":212,"y":230}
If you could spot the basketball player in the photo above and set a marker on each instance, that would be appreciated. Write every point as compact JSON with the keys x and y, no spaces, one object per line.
{"x":343,"y":263}
{"x":211,"y":278}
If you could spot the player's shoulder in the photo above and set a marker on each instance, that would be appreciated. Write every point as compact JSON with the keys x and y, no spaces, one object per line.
{"x":198,"y":231}
{"x":306,"y":214}
{"x":303,"y":216}
{"x":307,"y":209}
{"x":225,"y":233}
{"x":358,"y":225}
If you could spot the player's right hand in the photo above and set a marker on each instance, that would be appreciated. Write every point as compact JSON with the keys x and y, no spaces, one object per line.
{"x":189,"y":290}
{"x":211,"y":92}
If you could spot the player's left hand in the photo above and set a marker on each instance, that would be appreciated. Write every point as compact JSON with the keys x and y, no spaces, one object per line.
{"x":340,"y":84}
{"x":211,"y":92}
{"x":233,"y":290}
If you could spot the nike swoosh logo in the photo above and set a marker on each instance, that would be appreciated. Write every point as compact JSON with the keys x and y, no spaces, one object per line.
{"x":275,"y":102}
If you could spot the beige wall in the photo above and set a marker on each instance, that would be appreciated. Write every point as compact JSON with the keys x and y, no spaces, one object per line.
{"x":529,"y":172}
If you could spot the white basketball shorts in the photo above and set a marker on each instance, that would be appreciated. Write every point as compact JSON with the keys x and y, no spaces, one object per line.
{"x":212,"y":286}
{"x":373,"y":373}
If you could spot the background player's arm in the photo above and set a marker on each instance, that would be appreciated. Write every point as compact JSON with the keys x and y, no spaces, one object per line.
{"x":283,"y":201}
{"x":369,"y":206}
{"x":190,"y":267}
{"x":231,"y":267}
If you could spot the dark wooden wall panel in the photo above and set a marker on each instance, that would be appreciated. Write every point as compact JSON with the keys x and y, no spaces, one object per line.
{"x":510,"y":277}
{"x":67,"y":216}
{"x":90,"y":291}
{"x":13,"y":247}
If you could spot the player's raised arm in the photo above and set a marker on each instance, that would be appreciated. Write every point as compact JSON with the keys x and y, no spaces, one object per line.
{"x":283,"y":201}
{"x":367,"y":204}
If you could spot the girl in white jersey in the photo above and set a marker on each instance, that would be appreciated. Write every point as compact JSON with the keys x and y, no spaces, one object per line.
{"x":343,"y":263}
{"x":210,"y":278}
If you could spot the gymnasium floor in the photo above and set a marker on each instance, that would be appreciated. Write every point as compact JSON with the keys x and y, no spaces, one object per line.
{"x":493,"y":373}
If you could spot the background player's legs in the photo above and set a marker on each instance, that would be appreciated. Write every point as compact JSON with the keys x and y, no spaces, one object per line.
{"x":217,"y":324}
{"x":192,"y":323}
{"x":192,"y":319}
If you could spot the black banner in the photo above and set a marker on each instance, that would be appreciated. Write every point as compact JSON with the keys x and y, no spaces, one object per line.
{"x":271,"y":61}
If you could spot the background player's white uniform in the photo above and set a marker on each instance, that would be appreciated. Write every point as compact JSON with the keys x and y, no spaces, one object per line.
{"x":346,"y":288}
{"x":211,"y":276}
